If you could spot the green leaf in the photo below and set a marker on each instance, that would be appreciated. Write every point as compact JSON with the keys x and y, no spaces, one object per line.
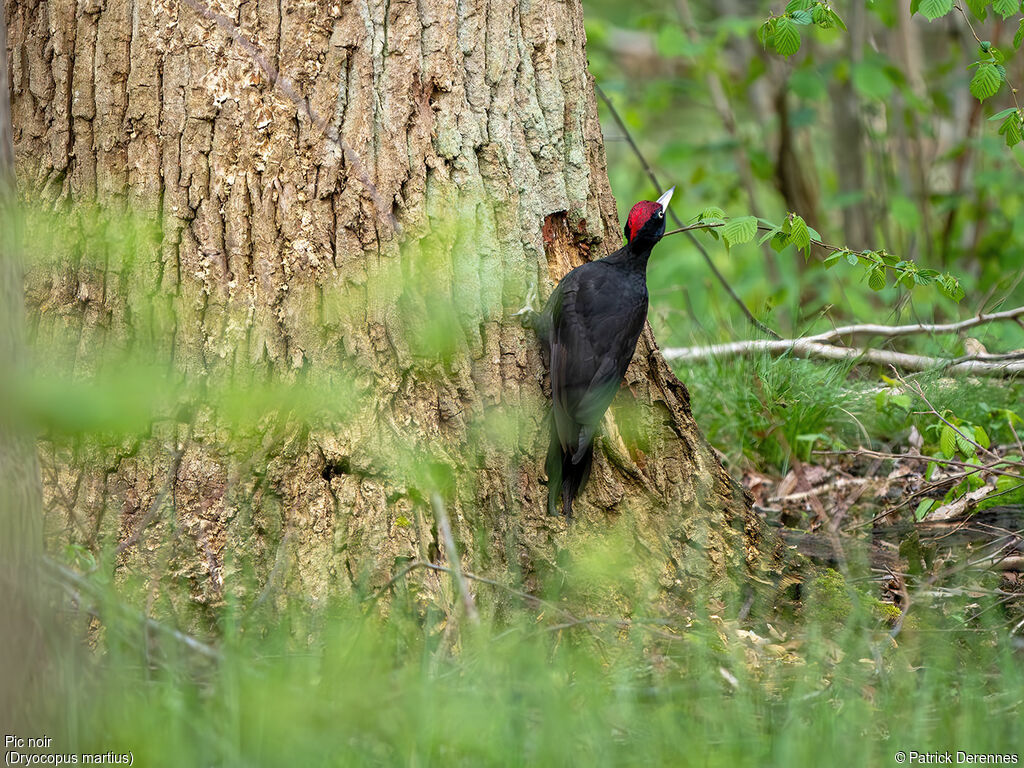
{"x":740,"y":230}
{"x":798,"y":5}
{"x":852,"y":258}
{"x":770,"y":234}
{"x":1019,"y":37}
{"x":799,"y":233}
{"x":1006,"y":7}
{"x":779,"y":241}
{"x":981,"y":437}
{"x":671,"y":42}
{"x":832,"y":259}
{"x":871,"y":80}
{"x":924,"y":508}
{"x":951,"y":287}
{"x":978,"y":8}
{"x":1000,"y":115}
{"x":766,"y":33}
{"x":801,"y":17}
{"x":986,"y":81}
{"x":787,"y":37}
{"x":947,"y":441}
{"x":1011,"y":129}
{"x":807,"y":83}
{"x":967,"y":448}
{"x":711,"y":212}
{"x":934,"y":9}
{"x":876,"y":278}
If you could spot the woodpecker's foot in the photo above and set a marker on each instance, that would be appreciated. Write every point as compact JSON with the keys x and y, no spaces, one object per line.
{"x":528,"y":314}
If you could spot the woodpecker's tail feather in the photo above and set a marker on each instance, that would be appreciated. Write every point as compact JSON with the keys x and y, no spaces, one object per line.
{"x":566,"y":477}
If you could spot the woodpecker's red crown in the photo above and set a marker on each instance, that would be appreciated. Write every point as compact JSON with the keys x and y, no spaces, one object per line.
{"x":640,"y":215}
{"x":644,"y":211}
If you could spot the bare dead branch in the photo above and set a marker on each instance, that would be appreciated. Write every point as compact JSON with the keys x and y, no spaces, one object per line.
{"x":969,"y":469}
{"x":817,"y":347}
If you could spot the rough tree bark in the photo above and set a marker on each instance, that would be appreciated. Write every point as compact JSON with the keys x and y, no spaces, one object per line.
{"x":20,"y":519}
{"x":484,"y":105}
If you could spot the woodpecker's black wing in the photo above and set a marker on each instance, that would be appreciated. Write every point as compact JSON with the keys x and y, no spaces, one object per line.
{"x":593,"y":320}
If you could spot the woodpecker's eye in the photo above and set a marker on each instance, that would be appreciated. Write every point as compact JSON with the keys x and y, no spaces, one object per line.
{"x":660,"y":214}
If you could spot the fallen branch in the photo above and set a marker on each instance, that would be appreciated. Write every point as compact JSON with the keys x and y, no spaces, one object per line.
{"x":970,"y":469}
{"x":814,"y":349}
{"x":956,"y":508}
{"x":892,"y":331}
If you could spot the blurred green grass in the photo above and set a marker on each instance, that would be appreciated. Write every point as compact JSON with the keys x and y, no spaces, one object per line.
{"x":418,"y":684}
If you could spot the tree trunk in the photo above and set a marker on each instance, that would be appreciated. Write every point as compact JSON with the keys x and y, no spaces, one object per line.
{"x":850,"y":163}
{"x":480,"y":107}
{"x":20,"y":508}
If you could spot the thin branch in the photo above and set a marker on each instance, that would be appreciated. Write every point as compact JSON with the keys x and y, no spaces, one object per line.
{"x":154,"y":508}
{"x":868,"y":329}
{"x":970,"y":469}
{"x":918,"y":390}
{"x":415,"y":564}
{"x":812,"y":349}
{"x":703,"y":251}
{"x":892,"y":331}
{"x":445,"y":529}
{"x":82,"y":591}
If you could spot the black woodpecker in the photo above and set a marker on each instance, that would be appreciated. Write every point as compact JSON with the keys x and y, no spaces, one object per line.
{"x":589,"y":329}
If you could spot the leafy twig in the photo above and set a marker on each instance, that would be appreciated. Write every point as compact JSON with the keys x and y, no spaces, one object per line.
{"x":918,"y":390}
{"x":983,"y":44}
{"x":861,"y":255}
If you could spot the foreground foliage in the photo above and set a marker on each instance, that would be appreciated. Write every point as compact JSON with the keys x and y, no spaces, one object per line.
{"x":417,"y":683}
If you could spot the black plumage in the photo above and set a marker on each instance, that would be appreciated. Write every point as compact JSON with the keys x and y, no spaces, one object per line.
{"x":589,"y":329}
